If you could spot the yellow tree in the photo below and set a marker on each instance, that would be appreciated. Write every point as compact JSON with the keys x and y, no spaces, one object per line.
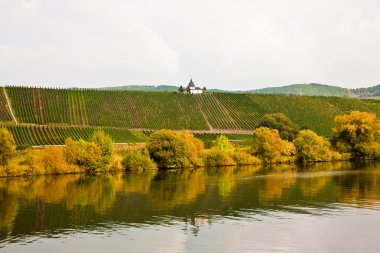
{"x":7,"y":146}
{"x":358,"y":133}
{"x":312,"y":147}
{"x":268,"y":145}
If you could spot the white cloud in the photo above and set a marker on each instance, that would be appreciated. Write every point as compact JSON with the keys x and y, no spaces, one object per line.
{"x":240,"y":44}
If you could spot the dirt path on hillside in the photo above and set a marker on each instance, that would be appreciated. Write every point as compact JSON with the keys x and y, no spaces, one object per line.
{"x":213,"y":131}
{"x":9,"y":106}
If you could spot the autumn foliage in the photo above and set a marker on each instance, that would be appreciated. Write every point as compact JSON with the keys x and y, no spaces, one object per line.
{"x":358,"y":133}
{"x":270,"y":148}
{"x":170,"y":149}
{"x":313,"y":148}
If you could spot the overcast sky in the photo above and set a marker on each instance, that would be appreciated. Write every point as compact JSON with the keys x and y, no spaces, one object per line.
{"x":228,"y":44}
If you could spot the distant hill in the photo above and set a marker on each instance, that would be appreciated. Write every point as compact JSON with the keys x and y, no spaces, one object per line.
{"x":367,"y":92}
{"x":159,"y":88}
{"x":311,"y":89}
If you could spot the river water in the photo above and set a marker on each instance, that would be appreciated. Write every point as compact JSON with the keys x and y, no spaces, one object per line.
{"x":320,"y":208}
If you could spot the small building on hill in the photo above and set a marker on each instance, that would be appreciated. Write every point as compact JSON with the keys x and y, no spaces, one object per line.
{"x":192,"y":89}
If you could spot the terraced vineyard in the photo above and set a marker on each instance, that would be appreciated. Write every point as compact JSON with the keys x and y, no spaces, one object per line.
{"x":106,"y":108}
{"x":57,"y":109}
{"x":33,"y":135}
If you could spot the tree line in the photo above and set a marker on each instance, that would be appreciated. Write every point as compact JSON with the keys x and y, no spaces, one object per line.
{"x":276,"y":139}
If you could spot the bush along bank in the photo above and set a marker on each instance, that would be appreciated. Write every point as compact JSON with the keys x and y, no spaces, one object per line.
{"x":356,"y":136}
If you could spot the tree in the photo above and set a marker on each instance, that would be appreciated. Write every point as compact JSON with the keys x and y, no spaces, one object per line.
{"x":105,"y":143}
{"x":181,"y":89}
{"x":270,"y":148}
{"x":220,"y":154}
{"x":312,"y":147}
{"x":170,"y":149}
{"x":223,"y":144}
{"x":83,"y":153}
{"x":204,"y":89}
{"x":7,"y":146}
{"x":358,"y":133}
{"x":285,"y":126}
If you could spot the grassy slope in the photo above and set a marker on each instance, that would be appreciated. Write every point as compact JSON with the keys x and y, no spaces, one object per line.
{"x":156,"y":110}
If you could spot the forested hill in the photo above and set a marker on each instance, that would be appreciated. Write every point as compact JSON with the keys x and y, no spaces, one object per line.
{"x":312,"y":89}
{"x":211,"y":112}
{"x":367,"y":92}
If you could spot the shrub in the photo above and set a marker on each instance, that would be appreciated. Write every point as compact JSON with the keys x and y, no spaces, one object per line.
{"x":242,"y":157}
{"x":223,"y":144}
{"x":170,"y":149}
{"x":312,"y":147}
{"x":7,"y":146}
{"x":105,"y":143}
{"x":358,"y":133}
{"x":285,"y":126}
{"x":138,"y":160}
{"x":82,"y":153}
{"x":270,"y":148}
{"x":53,"y":161}
{"x":217,"y":157}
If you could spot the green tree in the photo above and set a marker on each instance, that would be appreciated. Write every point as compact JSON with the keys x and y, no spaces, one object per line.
{"x":170,"y":149}
{"x":220,"y":154}
{"x":358,"y":133}
{"x":223,"y":144}
{"x":7,"y":146}
{"x":105,"y":143}
{"x":181,"y":89}
{"x":312,"y":147}
{"x":285,"y":126}
{"x":270,"y":148}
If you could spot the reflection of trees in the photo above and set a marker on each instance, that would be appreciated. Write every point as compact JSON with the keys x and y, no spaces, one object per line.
{"x":177,"y":187}
{"x":273,"y":186}
{"x":361,"y":189}
{"x":8,"y":210}
{"x":138,"y":182}
{"x":196,"y":195}
{"x":225,"y":179}
{"x":311,"y":186}
{"x":96,"y":191}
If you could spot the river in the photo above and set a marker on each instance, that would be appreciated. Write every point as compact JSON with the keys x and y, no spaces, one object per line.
{"x":327,"y":207}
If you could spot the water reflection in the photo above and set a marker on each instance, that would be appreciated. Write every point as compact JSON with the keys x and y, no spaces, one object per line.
{"x":199,"y":197}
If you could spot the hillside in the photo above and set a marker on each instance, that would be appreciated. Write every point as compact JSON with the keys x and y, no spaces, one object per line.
{"x":210,"y":112}
{"x":367,"y":92}
{"x":312,"y":89}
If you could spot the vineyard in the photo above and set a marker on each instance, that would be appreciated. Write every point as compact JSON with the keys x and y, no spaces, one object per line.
{"x":48,"y":116}
{"x":33,"y":135}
